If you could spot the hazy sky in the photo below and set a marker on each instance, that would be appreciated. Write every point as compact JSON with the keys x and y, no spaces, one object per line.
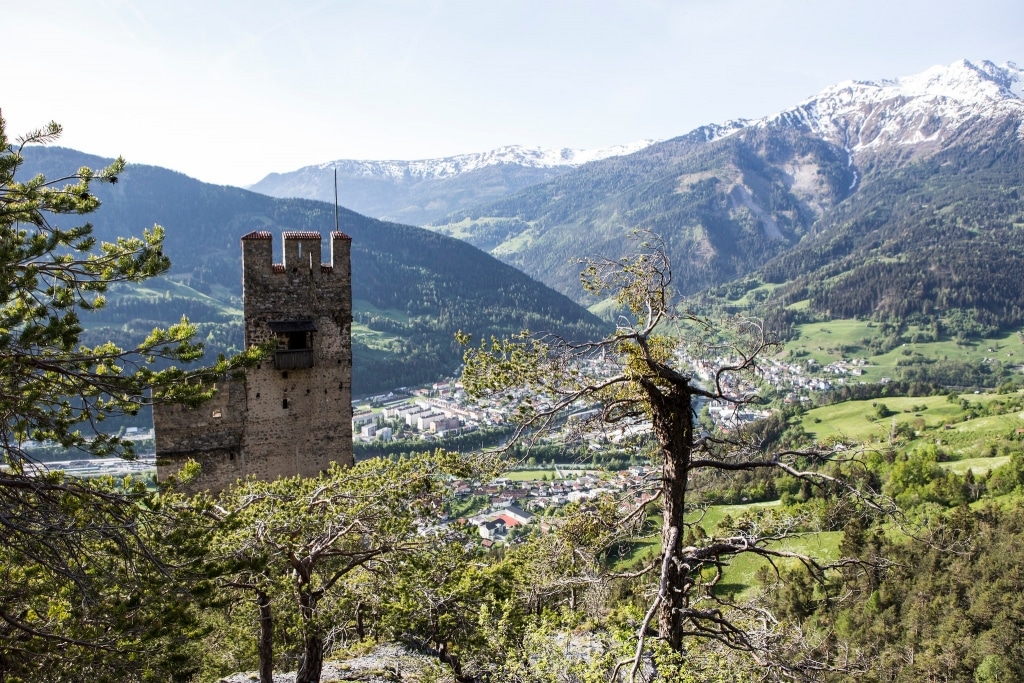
{"x":229,"y":91}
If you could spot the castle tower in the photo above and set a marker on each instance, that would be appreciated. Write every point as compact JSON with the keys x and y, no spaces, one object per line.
{"x":300,"y":400}
{"x":292,"y":413}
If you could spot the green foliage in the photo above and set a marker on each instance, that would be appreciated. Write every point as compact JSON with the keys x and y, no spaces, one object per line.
{"x":917,"y":478}
{"x":109,"y":583}
{"x":94,"y":571}
{"x":448,"y":602}
{"x":953,"y":602}
{"x":54,"y":272}
{"x":460,"y":443}
{"x":646,"y":380}
{"x":305,"y":547}
{"x":951,"y":372}
{"x":1008,"y":478}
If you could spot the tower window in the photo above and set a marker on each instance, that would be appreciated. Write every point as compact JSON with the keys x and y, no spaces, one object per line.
{"x":299,"y":340}
{"x":294,"y":343}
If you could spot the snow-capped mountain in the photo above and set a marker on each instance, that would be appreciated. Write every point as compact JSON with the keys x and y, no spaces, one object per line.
{"x":913,"y":115}
{"x":928,"y":109}
{"x":864,"y":171}
{"x":449,"y":167}
{"x":419,"y":192}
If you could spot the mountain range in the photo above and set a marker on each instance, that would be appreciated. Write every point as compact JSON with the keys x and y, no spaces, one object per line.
{"x":855,"y":196}
{"x":420,"y":192}
{"x":729,"y":198}
{"x":412,"y":289}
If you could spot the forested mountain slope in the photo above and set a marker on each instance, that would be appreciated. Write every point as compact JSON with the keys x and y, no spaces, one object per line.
{"x":724,"y":205}
{"x":939,"y":234}
{"x":412,"y":288}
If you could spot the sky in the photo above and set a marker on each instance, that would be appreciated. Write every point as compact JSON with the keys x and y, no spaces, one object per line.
{"x":228,"y":91}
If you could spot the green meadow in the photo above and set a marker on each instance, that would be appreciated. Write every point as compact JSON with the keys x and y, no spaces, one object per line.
{"x":922,"y":420}
{"x":378,"y":342}
{"x":836,"y":340}
{"x":822,"y":546}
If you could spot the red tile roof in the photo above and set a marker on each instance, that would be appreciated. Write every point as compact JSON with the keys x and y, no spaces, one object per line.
{"x":258,"y":235}
{"x":302,"y":235}
{"x":338,"y":235}
{"x":509,"y":520}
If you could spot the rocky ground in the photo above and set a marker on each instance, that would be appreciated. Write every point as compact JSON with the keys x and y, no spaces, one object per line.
{"x":383,"y":664}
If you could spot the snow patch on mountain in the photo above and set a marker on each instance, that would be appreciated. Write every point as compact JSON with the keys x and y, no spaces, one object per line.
{"x":1016,"y":85}
{"x":449,"y":167}
{"x":928,"y":107}
{"x":716,"y":131}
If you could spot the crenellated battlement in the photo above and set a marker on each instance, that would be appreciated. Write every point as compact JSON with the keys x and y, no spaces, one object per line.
{"x":302,"y":253}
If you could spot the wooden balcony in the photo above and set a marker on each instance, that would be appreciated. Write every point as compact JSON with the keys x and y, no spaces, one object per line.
{"x":293,"y":359}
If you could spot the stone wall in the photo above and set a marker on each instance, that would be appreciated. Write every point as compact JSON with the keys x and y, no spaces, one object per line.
{"x":211,"y":433}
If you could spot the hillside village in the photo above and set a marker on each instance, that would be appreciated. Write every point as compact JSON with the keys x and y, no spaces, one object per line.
{"x":511,"y":504}
{"x":442,"y":409}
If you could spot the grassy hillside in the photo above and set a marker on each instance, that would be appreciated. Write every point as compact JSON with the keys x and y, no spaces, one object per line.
{"x":901,"y":353}
{"x":964,"y":430}
{"x":947,"y":348}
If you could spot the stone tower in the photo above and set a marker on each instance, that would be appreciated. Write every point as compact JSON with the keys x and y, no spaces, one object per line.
{"x":292,"y":413}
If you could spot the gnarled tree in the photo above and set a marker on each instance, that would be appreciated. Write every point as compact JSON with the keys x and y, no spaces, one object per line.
{"x":654,"y":369}
{"x":299,"y":540}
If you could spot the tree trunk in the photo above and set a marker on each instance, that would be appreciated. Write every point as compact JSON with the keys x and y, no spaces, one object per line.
{"x":266,"y":644}
{"x":312,"y":660}
{"x":672,"y":417}
{"x":360,"y":629}
{"x":453,"y":661}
